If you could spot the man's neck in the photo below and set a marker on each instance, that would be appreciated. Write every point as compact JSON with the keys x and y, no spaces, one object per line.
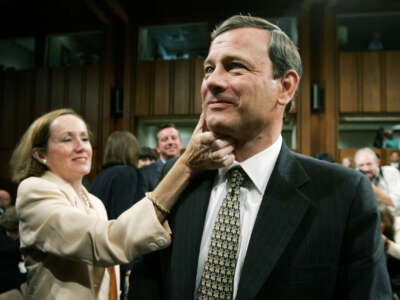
{"x":246,"y":149}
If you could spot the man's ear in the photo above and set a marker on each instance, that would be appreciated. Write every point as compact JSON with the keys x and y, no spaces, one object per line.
{"x":158,"y":149}
{"x":289,"y":83}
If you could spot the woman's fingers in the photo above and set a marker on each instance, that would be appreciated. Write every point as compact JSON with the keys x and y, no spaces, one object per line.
{"x":201,"y":125}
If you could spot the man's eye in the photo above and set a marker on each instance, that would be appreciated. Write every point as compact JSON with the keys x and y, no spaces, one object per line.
{"x":235,"y":66}
{"x":208,"y":70}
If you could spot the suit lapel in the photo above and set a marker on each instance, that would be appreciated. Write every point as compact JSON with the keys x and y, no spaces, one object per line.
{"x":188,"y":229}
{"x":281,"y":211}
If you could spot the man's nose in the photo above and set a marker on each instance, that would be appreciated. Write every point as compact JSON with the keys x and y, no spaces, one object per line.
{"x":217,"y":81}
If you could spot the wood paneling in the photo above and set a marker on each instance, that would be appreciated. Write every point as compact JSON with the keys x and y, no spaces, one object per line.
{"x":182,"y":85}
{"x":162,"y":88}
{"x":24,"y":100}
{"x":74,"y":88}
{"x":348,"y":81}
{"x":144,"y":87}
{"x":24,"y":96}
{"x":9,"y":109}
{"x":198,"y":79}
{"x":92,"y":99}
{"x":168,"y":87}
{"x":58,"y":98}
{"x":371,"y":82}
{"x":42,"y":86}
{"x":392,"y":67}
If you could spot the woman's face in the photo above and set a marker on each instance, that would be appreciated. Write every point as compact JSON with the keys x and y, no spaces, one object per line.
{"x":69,"y":152}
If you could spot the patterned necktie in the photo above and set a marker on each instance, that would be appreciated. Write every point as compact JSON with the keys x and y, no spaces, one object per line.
{"x":219,"y":269}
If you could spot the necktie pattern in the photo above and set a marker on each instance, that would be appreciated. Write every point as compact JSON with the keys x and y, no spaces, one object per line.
{"x":219,"y":269}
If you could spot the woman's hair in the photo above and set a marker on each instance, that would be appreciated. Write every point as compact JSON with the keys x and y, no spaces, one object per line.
{"x":122,"y":148}
{"x":22,"y":163}
{"x":388,"y":220}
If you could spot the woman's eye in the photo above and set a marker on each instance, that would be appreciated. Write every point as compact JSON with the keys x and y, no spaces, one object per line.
{"x":66,"y":140}
{"x":85,"y":139}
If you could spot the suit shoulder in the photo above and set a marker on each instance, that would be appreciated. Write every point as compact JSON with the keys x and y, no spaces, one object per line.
{"x":323,"y":168}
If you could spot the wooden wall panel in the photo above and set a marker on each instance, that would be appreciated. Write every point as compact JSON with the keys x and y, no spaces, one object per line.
{"x":371,"y":82}
{"x":42,"y":85}
{"x":198,"y":79}
{"x":92,"y":99}
{"x":162,"y":88}
{"x":10,"y":109}
{"x":57,"y":99}
{"x":182,"y":85}
{"x":348,"y":82}
{"x":392,"y":82}
{"x":24,"y":100}
{"x":26,"y":95}
{"x":74,"y":88}
{"x":144,"y":86}
{"x":2,"y":111}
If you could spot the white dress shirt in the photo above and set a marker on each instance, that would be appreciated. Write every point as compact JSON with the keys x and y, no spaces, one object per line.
{"x":258,"y":168}
{"x":389,"y":182}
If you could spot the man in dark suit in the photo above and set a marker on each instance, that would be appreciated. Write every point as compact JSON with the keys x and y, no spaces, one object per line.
{"x":308,"y":229}
{"x":169,"y":145}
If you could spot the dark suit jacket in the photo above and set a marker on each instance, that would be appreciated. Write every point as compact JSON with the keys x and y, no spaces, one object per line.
{"x":151,"y":174}
{"x":317,"y":236}
{"x":118,"y":187}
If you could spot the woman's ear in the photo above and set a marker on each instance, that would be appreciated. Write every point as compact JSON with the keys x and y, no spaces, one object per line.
{"x":289,"y":83}
{"x":39,"y":155}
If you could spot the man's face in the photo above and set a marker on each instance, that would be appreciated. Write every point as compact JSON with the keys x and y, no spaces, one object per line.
{"x":367,"y":163}
{"x":5,"y":199}
{"x":394,"y":157}
{"x":239,"y":92}
{"x":169,"y":143}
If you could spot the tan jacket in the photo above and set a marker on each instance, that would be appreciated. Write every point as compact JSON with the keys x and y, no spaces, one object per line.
{"x":67,"y":244}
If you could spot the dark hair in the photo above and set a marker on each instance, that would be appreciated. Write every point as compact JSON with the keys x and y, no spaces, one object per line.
{"x":388,"y":220}
{"x":9,"y":219}
{"x":122,"y":148}
{"x":325,"y":156}
{"x":283,"y":52}
{"x":147,"y":153}
{"x":164,"y":126}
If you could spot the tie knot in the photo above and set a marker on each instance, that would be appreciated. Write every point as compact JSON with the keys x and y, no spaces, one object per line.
{"x":237,"y":176}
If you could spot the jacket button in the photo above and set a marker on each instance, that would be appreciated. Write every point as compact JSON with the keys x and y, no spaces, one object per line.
{"x":153,"y":246}
{"x":162,"y":242}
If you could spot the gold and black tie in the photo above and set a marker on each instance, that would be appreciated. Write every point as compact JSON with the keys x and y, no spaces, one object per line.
{"x":219,"y":269}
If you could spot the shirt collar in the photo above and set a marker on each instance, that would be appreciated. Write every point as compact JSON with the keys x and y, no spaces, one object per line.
{"x":260,"y":166}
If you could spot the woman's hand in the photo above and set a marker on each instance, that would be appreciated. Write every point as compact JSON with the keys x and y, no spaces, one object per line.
{"x":205,"y":151}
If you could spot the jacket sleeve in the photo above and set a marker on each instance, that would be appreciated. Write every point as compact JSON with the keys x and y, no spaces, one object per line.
{"x":51,"y":224}
{"x":364,"y":274}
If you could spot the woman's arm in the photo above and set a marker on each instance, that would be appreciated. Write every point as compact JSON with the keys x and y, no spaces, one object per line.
{"x":204,"y":152}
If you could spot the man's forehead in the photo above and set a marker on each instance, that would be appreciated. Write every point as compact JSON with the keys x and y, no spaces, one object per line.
{"x":4,"y":195}
{"x":365,"y":157}
{"x":241,"y":38}
{"x":167,"y":131}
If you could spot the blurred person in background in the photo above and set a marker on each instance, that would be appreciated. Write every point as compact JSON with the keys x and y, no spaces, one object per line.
{"x":5,"y":200}
{"x":119,"y":184}
{"x":147,"y":156}
{"x":169,"y":145}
